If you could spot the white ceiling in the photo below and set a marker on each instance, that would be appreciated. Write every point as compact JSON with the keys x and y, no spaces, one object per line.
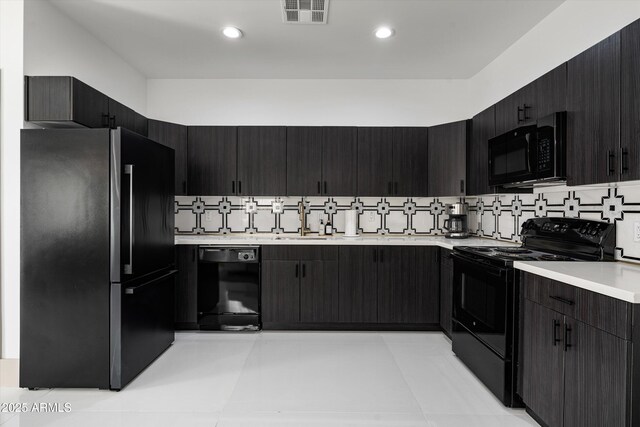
{"x":434,"y":38}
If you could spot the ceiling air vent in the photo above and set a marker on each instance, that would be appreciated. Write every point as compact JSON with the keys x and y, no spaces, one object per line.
{"x":305,"y":11}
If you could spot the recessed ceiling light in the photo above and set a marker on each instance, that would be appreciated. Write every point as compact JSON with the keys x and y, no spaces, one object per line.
{"x":232,"y":32}
{"x":384,"y":32}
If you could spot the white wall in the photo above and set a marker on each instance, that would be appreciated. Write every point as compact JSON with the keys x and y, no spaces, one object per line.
{"x":55,"y":45}
{"x":572,"y":28}
{"x":11,"y":108}
{"x":308,"y":102}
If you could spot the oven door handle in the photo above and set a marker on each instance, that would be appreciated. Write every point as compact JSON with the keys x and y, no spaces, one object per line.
{"x":479,"y":265}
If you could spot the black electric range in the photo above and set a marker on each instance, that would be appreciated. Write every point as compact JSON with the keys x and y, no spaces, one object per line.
{"x":485,"y":293}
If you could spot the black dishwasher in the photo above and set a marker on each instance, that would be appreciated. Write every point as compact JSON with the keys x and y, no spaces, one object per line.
{"x":229,"y":288}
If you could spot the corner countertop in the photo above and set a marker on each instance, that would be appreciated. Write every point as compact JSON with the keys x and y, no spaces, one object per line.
{"x":280,"y":239}
{"x":619,"y":280}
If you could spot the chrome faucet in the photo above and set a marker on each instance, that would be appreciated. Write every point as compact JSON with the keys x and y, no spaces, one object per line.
{"x":303,"y":219}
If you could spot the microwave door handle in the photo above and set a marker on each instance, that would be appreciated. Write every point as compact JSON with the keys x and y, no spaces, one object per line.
{"x":128,"y":268}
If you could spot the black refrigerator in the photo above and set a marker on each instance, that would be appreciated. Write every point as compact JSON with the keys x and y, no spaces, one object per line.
{"x":97,"y":256}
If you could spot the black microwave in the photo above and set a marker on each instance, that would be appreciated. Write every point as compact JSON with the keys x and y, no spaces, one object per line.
{"x":529,"y":155}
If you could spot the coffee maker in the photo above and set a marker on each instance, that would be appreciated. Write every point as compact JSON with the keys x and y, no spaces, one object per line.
{"x":456,"y":225}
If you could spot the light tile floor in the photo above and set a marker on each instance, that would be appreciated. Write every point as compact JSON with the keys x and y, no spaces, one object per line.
{"x":287,"y":379}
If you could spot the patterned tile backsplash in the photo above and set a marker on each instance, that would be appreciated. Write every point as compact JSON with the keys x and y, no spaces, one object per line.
{"x":494,"y":216}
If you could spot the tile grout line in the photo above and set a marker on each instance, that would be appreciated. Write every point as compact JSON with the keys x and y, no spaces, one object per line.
{"x":404,"y":380}
{"x":244,"y":364}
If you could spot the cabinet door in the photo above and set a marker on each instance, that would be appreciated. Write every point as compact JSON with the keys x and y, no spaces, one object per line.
{"x":339,"y":161}
{"x":304,"y":161}
{"x":407,"y":285}
{"x":630,"y":105}
{"x":186,"y":285}
{"x":121,"y":115}
{"x":542,"y":362}
{"x":483,"y":128}
{"x":446,"y":290}
{"x":593,"y":107}
{"x":518,"y":109}
{"x":211,"y":156}
{"x":280,"y":291}
{"x":410,"y":162}
{"x":375,"y":168}
{"x":262,"y":156}
{"x":427,"y":286}
{"x":319,"y":291}
{"x":395,"y":287}
{"x":65,"y":99}
{"x":174,"y":136}
{"x":551,"y":92}
{"x":358,"y":289}
{"x":596,"y":377}
{"x":447,"y":159}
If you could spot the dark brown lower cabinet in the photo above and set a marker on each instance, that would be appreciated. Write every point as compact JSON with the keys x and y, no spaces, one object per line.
{"x":319,"y":291}
{"x":408,"y":289}
{"x":350,"y":287}
{"x":186,"y":300}
{"x":358,"y":293}
{"x":280,"y":291}
{"x":596,"y":377}
{"x":542,"y":361}
{"x":299,"y":285}
{"x":446,"y":291}
{"x":574,"y":373}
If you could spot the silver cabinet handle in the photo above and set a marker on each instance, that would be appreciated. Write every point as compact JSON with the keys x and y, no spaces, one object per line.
{"x":128,"y":268}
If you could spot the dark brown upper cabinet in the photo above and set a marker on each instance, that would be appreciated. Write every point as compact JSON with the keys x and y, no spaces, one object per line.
{"x":212,"y":160}
{"x":517,"y":109}
{"x":122,"y":116}
{"x":174,"y":136}
{"x":62,"y":101}
{"x":321,"y":161}
{"x":551,"y":92}
{"x":448,"y":159}
{"x":483,"y":128}
{"x":375,"y":161}
{"x":593,"y":114}
{"x":630,"y":102}
{"x":340,"y":161}
{"x":262,"y":156}
{"x":304,"y":161}
{"x":410,"y":161}
{"x":53,"y":101}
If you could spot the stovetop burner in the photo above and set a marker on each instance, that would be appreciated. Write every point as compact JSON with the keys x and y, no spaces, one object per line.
{"x":552,"y":257}
{"x":481,"y":249}
{"x":507,"y":254}
{"x":517,"y":257}
{"x":509,"y":250}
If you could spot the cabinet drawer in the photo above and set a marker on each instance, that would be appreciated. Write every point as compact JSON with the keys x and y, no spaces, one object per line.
{"x":600,"y":311}
{"x":557,"y":296}
{"x":303,"y":253}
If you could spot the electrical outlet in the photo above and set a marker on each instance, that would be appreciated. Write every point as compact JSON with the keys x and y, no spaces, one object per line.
{"x":372,"y":217}
{"x":208,"y":215}
{"x":636,"y":231}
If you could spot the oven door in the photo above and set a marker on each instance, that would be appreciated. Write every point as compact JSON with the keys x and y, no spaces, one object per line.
{"x":513,"y":157}
{"x":480,"y":297}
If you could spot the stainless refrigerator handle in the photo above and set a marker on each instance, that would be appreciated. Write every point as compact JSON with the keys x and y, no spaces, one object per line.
{"x":128,"y":268}
{"x":134,"y":289}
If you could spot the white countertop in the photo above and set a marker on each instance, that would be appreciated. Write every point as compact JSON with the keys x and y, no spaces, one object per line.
{"x":619,"y":280}
{"x":280,"y":239}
